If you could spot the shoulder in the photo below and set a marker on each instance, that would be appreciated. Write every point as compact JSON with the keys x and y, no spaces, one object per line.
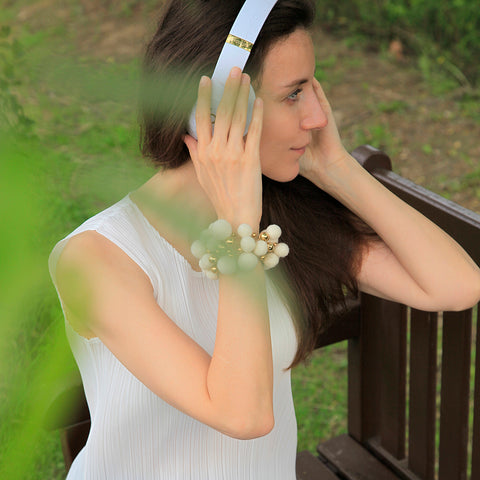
{"x":91,"y":273}
{"x":93,"y":256}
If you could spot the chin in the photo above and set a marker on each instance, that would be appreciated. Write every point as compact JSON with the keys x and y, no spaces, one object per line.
{"x":284,"y":175}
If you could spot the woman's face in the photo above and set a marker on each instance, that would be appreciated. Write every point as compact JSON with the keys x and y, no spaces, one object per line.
{"x":291,"y":107}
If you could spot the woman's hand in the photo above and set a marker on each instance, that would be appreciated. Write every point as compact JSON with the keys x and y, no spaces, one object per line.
{"x":326,"y":148}
{"x":228,"y":165}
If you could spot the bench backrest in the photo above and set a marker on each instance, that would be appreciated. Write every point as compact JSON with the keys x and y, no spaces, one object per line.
{"x":412,"y":398}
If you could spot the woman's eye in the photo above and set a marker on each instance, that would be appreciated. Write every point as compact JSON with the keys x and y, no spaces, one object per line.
{"x":294,"y":95}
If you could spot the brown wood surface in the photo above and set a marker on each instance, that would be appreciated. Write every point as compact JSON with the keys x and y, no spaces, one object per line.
{"x":455,"y":395}
{"x":353,"y":461}
{"x":422,"y":393}
{"x":364,"y":373}
{"x":309,"y":467}
{"x":393,"y":371}
{"x":73,"y":439}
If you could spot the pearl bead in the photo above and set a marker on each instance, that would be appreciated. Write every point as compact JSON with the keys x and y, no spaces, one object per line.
{"x":204,"y":262}
{"x":271,"y":260}
{"x":247,"y":261}
{"x":227,"y":265}
{"x":221,"y":229}
{"x":261,"y":248}
{"x":248,"y":244}
{"x":274,"y":232}
{"x":244,"y":230}
{"x":281,"y":250}
{"x":198,"y":249}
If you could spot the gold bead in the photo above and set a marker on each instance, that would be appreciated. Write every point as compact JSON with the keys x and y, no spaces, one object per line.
{"x":270,"y":247}
{"x":239,"y":250}
{"x":214,"y":270}
{"x":264,"y":236}
{"x":262,"y":258}
{"x":254,"y":235}
{"x":212,"y":259}
{"x":229,"y":241}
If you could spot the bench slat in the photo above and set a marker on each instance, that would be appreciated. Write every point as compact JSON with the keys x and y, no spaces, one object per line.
{"x":393,"y":365}
{"x":363,"y":373}
{"x":309,"y":467}
{"x":476,"y":408}
{"x":353,"y":461}
{"x":457,"y":328}
{"x":423,"y":368}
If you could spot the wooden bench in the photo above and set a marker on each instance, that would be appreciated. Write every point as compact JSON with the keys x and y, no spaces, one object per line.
{"x":401,"y":425}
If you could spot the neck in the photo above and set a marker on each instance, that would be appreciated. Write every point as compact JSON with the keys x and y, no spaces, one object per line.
{"x":180,"y":197}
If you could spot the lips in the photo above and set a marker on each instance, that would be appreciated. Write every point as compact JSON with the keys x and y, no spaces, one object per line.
{"x":300,"y":150}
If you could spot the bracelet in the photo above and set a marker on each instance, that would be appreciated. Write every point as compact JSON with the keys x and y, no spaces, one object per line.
{"x":220,"y":250}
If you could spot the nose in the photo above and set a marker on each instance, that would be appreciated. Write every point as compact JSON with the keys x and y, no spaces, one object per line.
{"x":313,"y":116}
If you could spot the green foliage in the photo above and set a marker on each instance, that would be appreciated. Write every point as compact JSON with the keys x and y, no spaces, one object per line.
{"x":11,"y":110}
{"x":445,"y":32}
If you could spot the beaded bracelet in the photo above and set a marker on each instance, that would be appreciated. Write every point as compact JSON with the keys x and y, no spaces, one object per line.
{"x":220,"y":250}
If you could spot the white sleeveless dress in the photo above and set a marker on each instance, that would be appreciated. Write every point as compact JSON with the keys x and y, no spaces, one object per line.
{"x":135,"y":435}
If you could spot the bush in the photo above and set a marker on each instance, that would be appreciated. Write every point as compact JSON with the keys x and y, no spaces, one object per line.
{"x":447,"y":30}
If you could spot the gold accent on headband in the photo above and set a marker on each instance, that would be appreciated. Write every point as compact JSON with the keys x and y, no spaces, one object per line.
{"x":239,"y":42}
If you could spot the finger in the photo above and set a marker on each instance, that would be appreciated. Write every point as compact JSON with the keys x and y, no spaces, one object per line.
{"x":239,"y":119}
{"x":203,"y":112}
{"x":226,"y":107}
{"x":322,"y":98}
{"x":252,"y":144}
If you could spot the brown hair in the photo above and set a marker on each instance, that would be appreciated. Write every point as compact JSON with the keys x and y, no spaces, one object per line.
{"x":325,"y":238}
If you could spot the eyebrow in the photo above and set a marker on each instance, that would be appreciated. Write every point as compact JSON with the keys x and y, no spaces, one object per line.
{"x":295,"y":83}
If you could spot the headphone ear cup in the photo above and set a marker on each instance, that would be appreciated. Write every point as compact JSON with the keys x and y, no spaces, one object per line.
{"x":217,"y":93}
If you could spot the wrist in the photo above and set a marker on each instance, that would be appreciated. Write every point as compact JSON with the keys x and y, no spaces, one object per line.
{"x":222,"y":249}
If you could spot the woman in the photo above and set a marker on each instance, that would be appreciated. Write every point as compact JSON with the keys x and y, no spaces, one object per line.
{"x":187,"y":377}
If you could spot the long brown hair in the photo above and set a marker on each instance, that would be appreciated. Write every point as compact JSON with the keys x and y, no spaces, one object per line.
{"x":326,"y":240}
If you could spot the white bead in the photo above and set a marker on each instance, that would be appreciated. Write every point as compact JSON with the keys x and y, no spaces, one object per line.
{"x":198,"y":249}
{"x":261,"y":248}
{"x":247,"y":261}
{"x":204,"y":262}
{"x":281,"y":250}
{"x":211,"y":275}
{"x":248,"y":244}
{"x":274,"y":232}
{"x":221,"y":229}
{"x":244,"y":230}
{"x":227,"y":265}
{"x":271,"y":260}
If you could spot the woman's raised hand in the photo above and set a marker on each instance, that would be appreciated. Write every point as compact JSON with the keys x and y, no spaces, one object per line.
{"x":228,"y":165}
{"x":326,"y":148}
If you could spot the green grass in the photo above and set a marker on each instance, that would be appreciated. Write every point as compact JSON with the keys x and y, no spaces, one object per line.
{"x":320,"y":396}
{"x":77,"y":154}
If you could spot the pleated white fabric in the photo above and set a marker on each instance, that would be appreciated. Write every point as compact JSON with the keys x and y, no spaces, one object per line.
{"x":135,"y":435}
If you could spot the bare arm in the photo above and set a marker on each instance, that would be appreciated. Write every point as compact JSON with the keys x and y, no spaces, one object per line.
{"x":416,"y":263}
{"x":103,"y":290}
{"x":232,"y":390}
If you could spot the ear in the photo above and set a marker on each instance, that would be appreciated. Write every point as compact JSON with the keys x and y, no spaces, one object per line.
{"x":192,"y":146}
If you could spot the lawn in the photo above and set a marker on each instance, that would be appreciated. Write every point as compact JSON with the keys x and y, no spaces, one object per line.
{"x":74,"y":150}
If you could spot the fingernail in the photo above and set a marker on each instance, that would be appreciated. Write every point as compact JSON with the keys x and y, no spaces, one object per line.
{"x":245,"y":78}
{"x":203,"y":80}
{"x":235,"y":72}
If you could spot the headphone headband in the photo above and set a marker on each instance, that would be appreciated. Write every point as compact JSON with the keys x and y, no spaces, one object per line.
{"x":235,"y":53}
{"x":243,"y":34}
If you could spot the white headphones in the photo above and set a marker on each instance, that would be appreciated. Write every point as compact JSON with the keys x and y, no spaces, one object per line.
{"x":235,"y":53}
